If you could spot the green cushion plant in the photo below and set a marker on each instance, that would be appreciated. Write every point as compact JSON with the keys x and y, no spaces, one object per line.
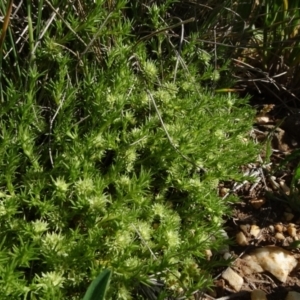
{"x":110,"y":161}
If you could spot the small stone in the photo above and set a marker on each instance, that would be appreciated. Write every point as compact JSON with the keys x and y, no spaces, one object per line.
{"x":284,"y":187}
{"x":292,"y":231}
{"x":275,"y":260}
{"x":241,"y":239}
{"x":293,"y":296}
{"x":234,"y":279}
{"x":227,"y":255}
{"x":279,"y":227}
{"x":262,"y":119}
{"x":275,"y":185}
{"x":254,"y":231}
{"x":257,"y":203}
{"x":279,"y":236}
{"x":245,"y":228}
{"x":272,"y":229}
{"x":248,"y":265}
{"x":287,"y":241}
{"x":208,"y":254}
{"x":223,"y":191}
{"x":258,"y":295}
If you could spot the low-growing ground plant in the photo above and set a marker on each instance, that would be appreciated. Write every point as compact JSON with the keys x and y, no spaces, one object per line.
{"x":112,"y":148}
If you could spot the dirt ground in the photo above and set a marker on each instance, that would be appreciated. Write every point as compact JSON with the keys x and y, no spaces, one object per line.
{"x":265,"y":203}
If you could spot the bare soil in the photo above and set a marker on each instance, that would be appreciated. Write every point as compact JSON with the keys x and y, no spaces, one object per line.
{"x":266,"y":205}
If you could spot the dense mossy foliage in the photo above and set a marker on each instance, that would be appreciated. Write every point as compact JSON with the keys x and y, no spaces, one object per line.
{"x":110,"y":159}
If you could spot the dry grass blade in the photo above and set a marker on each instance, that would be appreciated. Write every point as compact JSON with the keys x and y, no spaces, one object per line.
{"x":5,"y":23}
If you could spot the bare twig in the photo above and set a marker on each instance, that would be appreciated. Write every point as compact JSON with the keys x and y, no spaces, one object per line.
{"x":49,"y":21}
{"x":144,"y":242}
{"x":163,"y":30}
{"x":179,"y":51}
{"x":65,"y":22}
{"x":50,"y":129}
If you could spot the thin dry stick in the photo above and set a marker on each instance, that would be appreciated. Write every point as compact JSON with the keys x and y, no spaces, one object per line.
{"x":179,"y":51}
{"x":162,"y":30}
{"x":184,"y":66}
{"x":50,"y":129}
{"x":215,"y":60}
{"x":50,"y":20}
{"x":222,"y":44}
{"x":17,"y":9}
{"x":215,"y":48}
{"x":265,"y":74}
{"x":276,"y":96}
{"x":21,"y":37}
{"x":66,"y":23}
{"x":144,"y":242}
{"x":267,"y":79}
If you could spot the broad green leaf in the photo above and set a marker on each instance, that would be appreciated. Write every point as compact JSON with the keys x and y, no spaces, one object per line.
{"x":294,"y":245}
{"x":98,"y":287}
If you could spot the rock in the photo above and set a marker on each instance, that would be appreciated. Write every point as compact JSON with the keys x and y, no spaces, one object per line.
{"x":223,"y":191}
{"x":272,"y":229}
{"x":234,"y":279}
{"x":284,"y":187}
{"x":245,"y":228}
{"x":274,"y":184}
{"x":292,"y":231}
{"x":257,"y":203}
{"x":279,"y":227}
{"x":241,"y":239}
{"x":262,"y":119}
{"x":208,"y":254}
{"x":275,"y":260}
{"x":258,"y":295}
{"x":279,"y":236}
{"x":227,"y":256}
{"x":293,"y":296}
{"x":254,"y":231}
{"x":248,"y":265}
